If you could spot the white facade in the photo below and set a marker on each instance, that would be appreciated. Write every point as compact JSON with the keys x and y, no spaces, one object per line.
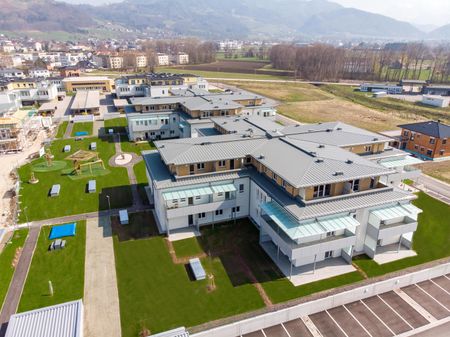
{"x":39,"y":73}
{"x":43,"y":93}
{"x":163,"y":59}
{"x":182,"y":58}
{"x":141,"y":61}
{"x":12,"y":73}
{"x":153,"y":126}
{"x":437,"y":101}
{"x":376,"y":87}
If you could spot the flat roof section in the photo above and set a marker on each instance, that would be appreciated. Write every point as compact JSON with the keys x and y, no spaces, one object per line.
{"x":86,"y":100}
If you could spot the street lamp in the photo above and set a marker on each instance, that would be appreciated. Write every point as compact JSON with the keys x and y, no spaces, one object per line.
{"x":109,"y":203}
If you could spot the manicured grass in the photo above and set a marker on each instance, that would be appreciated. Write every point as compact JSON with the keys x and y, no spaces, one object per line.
{"x":65,"y":268}
{"x":128,"y":146}
{"x":62,"y":129}
{"x":431,"y":240}
{"x":187,"y":247}
{"x":117,"y":124}
{"x":408,"y":182}
{"x":82,"y":126}
{"x":73,"y":198}
{"x":156,"y":294}
{"x":6,"y":260}
{"x":217,"y":74}
{"x":140,"y":172}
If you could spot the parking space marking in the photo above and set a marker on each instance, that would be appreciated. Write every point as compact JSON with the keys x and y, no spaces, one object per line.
{"x":448,"y":293}
{"x":351,"y":327}
{"x":373,"y":313}
{"x":387,"y":315}
{"x":326,"y":325}
{"x":421,"y":310}
{"x":275,"y":331}
{"x":312,"y":328}
{"x":257,"y":333}
{"x":434,"y":298}
{"x":336,"y":323}
{"x":357,"y":321}
{"x":401,"y":317}
{"x":444,"y":282}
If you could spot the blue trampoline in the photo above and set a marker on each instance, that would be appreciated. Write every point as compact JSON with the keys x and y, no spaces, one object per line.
{"x":81,"y":133}
{"x":62,"y":231}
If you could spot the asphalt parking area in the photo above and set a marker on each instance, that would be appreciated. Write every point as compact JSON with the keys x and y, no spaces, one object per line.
{"x":385,"y":315}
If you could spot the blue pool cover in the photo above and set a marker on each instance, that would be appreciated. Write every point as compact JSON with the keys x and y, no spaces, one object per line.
{"x":62,"y":231}
{"x":81,"y":133}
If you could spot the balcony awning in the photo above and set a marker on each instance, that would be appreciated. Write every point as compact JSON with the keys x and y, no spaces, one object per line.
{"x":189,"y":193}
{"x":399,"y":162}
{"x":223,"y":188}
{"x":296,"y":230}
{"x":396,"y":211}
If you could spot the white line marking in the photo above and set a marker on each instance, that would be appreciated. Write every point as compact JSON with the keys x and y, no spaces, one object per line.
{"x":373,"y":313}
{"x":286,"y":330}
{"x":448,"y":278}
{"x":357,"y":321}
{"x":421,"y":310}
{"x":428,"y":294}
{"x":263,"y":333}
{"x":448,"y":293}
{"x":336,"y":323}
{"x":311,"y":326}
{"x":404,"y":320}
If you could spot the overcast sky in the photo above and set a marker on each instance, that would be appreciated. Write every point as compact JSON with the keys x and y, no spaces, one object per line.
{"x":425,"y":12}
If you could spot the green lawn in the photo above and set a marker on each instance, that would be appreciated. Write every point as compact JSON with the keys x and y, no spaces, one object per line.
{"x":6,"y":259}
{"x":187,"y":247}
{"x":73,"y":198}
{"x":118,"y":124}
{"x":65,"y":268}
{"x":163,"y":297}
{"x":62,"y":129}
{"x":82,"y":126}
{"x":218,"y":74}
{"x":128,"y":146}
{"x":431,"y":240}
{"x":141,"y":176}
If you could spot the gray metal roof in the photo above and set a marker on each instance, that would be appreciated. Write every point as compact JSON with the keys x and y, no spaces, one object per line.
{"x":62,"y":320}
{"x":86,"y":99}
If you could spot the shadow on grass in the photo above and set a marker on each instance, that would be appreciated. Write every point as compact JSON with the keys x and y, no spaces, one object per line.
{"x":141,"y":225}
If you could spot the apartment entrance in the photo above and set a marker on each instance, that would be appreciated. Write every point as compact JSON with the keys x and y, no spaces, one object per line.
{"x":190,"y":220}
{"x":190,"y":201}
{"x":232,"y":164}
{"x":191,"y":169}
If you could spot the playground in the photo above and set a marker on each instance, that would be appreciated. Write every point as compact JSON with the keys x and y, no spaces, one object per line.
{"x":72,"y":164}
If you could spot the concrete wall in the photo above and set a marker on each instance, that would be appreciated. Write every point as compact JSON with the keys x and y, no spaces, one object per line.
{"x":308,"y":308}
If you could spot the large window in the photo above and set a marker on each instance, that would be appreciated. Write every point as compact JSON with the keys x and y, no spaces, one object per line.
{"x":355,"y":185}
{"x":322,"y":191}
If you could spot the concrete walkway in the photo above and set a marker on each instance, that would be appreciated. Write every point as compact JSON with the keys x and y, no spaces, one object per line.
{"x":18,"y":281}
{"x":101,"y":297}
{"x":68,"y":133}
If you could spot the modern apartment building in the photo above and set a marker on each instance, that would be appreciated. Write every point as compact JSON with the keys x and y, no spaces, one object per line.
{"x":311,"y":190}
{"x":100,"y":83}
{"x":427,"y":140}
{"x":11,"y":135}
{"x":162,"y":59}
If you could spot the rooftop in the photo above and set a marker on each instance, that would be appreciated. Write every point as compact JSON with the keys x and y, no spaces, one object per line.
{"x":435,"y":129}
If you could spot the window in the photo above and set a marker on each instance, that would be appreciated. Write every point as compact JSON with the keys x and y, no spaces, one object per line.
{"x":322,"y":191}
{"x":200,"y":166}
{"x":416,"y":147}
{"x":274,"y":177}
{"x":372,"y":182}
{"x":368,"y":148}
{"x":236,"y":209}
{"x":329,"y":254}
{"x":444,"y":141}
{"x":241,"y":188}
{"x":172,"y":132}
{"x":405,"y":133}
{"x":197,"y":197}
{"x":355,"y":185}
{"x":332,"y":233}
{"x":283,"y":183}
{"x":182,"y":199}
{"x":429,"y":152}
{"x":221,"y":163}
{"x":219,"y":211}
{"x":441,"y":152}
{"x":432,"y":141}
{"x":201,"y":215}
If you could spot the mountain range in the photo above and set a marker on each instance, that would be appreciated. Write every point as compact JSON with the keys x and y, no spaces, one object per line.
{"x":212,"y":19}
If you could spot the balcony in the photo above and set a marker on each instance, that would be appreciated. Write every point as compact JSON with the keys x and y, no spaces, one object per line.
{"x":200,"y":208}
{"x":407,"y":225}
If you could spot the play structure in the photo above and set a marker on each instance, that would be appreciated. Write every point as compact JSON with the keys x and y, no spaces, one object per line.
{"x":33,"y":180}
{"x":49,"y":157}
{"x":85,"y":159}
{"x":62,"y":231}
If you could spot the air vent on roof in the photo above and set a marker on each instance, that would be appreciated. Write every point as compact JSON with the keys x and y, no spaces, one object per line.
{"x":261,"y":156}
{"x":339,"y":129}
{"x":319,"y":160}
{"x":312,"y":153}
{"x":224,"y":123}
{"x":321,"y":146}
{"x":205,"y":143}
{"x":297,"y":125}
{"x":329,"y":130}
{"x":348,"y":161}
{"x":375,"y":139}
{"x":338,"y":173}
{"x":162,"y":146}
{"x":216,"y":107}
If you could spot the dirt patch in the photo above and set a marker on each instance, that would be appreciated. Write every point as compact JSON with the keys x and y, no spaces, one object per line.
{"x":438,"y":170}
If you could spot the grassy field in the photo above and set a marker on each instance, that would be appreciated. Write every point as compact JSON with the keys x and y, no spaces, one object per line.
{"x":404,"y":109}
{"x":168,"y":298}
{"x":431,"y":240}
{"x":309,"y":104}
{"x":62,"y":129}
{"x":217,"y":74}
{"x":118,"y":124}
{"x":187,"y":247}
{"x":65,"y":268}
{"x":6,"y":261}
{"x":128,"y":146}
{"x":438,"y":170}
{"x":82,"y":126}
{"x":73,"y":198}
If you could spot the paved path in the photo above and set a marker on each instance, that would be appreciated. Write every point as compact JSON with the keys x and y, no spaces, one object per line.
{"x":435,"y":188}
{"x":98,"y":124}
{"x":68,"y":133}
{"x":101,"y":296}
{"x":20,"y":274}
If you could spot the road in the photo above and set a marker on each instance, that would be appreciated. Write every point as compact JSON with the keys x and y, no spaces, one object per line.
{"x":436,"y":188}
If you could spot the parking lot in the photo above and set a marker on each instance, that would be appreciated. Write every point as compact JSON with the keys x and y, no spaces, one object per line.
{"x":389,"y":314}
